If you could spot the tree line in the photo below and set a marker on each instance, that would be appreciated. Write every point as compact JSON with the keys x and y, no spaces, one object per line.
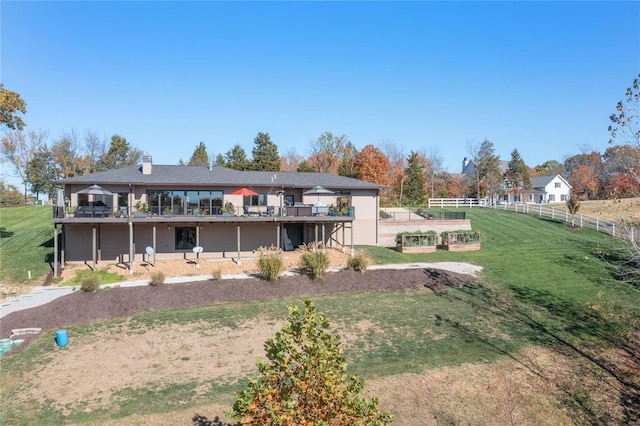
{"x":409,"y":178}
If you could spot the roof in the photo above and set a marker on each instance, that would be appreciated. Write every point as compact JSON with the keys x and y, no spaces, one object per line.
{"x":217,"y":175}
{"x":543,"y":181}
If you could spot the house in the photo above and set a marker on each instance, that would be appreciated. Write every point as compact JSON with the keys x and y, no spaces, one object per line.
{"x":224,"y":212}
{"x":548,"y":189}
{"x":545,"y":189}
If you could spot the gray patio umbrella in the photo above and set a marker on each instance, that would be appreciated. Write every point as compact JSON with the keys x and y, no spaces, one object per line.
{"x":318,"y":190}
{"x":95,"y":190}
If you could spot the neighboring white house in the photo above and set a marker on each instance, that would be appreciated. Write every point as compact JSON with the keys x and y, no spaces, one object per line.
{"x":548,"y":189}
{"x":545,"y":189}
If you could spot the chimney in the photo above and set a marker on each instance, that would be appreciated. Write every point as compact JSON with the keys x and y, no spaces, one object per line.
{"x":146,"y":164}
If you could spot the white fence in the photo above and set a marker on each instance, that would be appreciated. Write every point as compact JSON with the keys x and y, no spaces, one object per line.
{"x":611,"y":228}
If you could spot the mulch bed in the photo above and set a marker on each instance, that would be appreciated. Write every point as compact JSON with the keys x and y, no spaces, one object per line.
{"x":81,"y":307}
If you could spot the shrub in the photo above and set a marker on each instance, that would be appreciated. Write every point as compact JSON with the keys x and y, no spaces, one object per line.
{"x":271,"y":263}
{"x":305,"y":379}
{"x":157,"y":278}
{"x":360,"y":262}
{"x":90,"y":283}
{"x":316,"y":262}
{"x":217,"y":274}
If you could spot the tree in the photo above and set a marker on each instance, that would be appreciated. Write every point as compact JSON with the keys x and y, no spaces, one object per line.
{"x":304,"y":381}
{"x":625,"y":130}
{"x":41,"y":171}
{"x":625,"y":127}
{"x":433,"y":167}
{"x":93,"y":149}
{"x":64,"y":152}
{"x":372,"y":166}
{"x":305,"y":167}
{"x":326,"y":152}
{"x":120,"y":154}
{"x":414,"y":187}
{"x":265,"y":154}
{"x":397,"y":158}
{"x":487,"y":177}
{"x":18,"y":149}
{"x":10,"y":104}
{"x":9,"y":195}
{"x":290,"y":161}
{"x":550,"y":168}
{"x":516,"y":176}
{"x":199,"y":156}
{"x":347,"y":162}
{"x":584,"y":183}
{"x":236,"y":158}
{"x":456,"y":186}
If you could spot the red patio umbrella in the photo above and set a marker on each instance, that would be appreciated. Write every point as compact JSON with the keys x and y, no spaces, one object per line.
{"x":244,"y":191}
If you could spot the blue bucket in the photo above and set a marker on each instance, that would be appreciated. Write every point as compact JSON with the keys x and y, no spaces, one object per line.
{"x":61,"y":337}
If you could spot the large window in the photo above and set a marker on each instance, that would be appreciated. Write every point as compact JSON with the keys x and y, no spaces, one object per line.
{"x":255,"y":200}
{"x":181,"y":202}
{"x":185,"y":237}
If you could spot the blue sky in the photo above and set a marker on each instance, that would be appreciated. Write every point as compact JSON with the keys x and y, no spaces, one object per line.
{"x":542,"y":77}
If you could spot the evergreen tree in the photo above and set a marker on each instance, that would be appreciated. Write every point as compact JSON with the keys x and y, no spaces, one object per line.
{"x":517,"y":174}
{"x":306,"y":167}
{"x":236,"y":158}
{"x":220,"y":161}
{"x":200,"y":156}
{"x":120,"y":154}
{"x":265,"y":154}
{"x":414,"y":186}
{"x":487,"y":177}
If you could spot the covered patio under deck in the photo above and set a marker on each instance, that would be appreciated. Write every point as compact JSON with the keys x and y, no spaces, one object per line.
{"x":126,"y":240}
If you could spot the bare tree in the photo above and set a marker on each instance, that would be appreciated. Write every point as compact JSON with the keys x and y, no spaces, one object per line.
{"x":397,"y":157}
{"x":93,"y":149}
{"x":432,"y":154}
{"x":625,"y":130}
{"x":326,"y":152}
{"x":18,"y":148}
{"x":290,"y":161}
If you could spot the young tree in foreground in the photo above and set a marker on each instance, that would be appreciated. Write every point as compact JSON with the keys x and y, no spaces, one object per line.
{"x":304,"y":381}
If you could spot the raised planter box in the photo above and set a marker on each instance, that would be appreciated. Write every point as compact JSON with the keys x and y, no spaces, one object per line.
{"x":461,"y":240}
{"x":462,"y":247}
{"x":417,"y":249}
{"x":416,"y":242}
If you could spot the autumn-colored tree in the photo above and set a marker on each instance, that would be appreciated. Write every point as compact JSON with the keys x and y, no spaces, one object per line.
{"x":65,"y":155}
{"x":200,"y":157}
{"x":10,"y":104}
{"x":622,"y":185}
{"x":593,"y":161}
{"x":372,"y":165}
{"x":625,"y":127}
{"x":290,"y":161}
{"x":304,"y":380}
{"x":585,"y":183}
{"x":456,"y":186}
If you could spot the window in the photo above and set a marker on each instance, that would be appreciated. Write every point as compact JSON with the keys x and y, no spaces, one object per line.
{"x":563,"y":197}
{"x":185,"y":237}
{"x":552,"y":198}
{"x":255,"y":200}
{"x":558,"y":185}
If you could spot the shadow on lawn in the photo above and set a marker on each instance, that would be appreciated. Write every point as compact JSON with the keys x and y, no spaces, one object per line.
{"x":578,"y":332}
{"x":199,"y":420}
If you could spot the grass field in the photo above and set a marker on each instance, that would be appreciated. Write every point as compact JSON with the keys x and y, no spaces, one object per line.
{"x":548,"y":336}
{"x":26,"y":244}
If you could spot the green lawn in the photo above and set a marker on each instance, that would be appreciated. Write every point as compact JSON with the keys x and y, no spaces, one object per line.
{"x":26,"y":244}
{"x":540,"y":283}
